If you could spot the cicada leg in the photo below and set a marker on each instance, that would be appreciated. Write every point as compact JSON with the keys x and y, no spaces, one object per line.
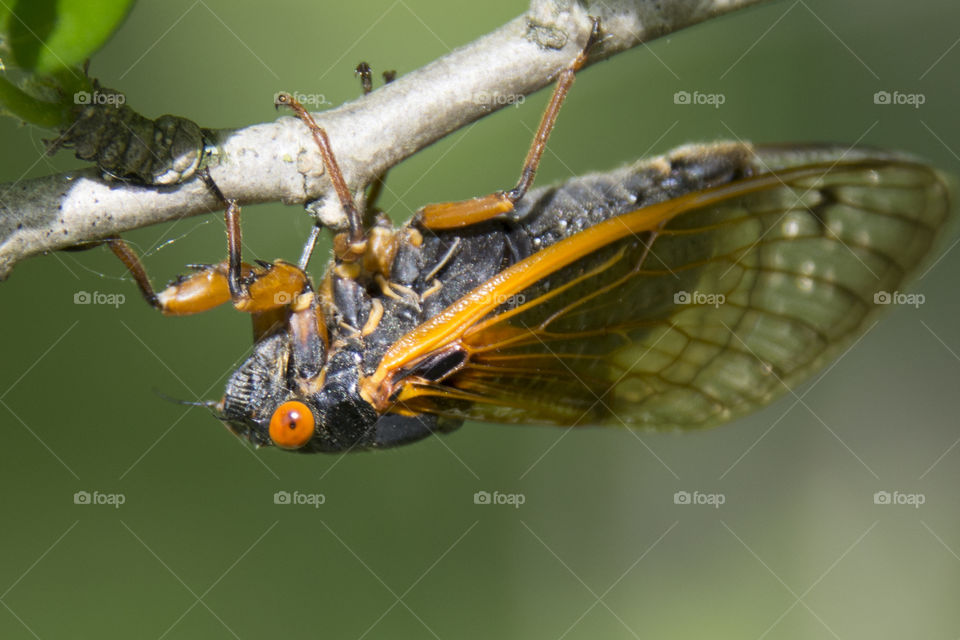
{"x":264,"y":286}
{"x":254,"y":289}
{"x":451,"y":215}
{"x":354,"y":217}
{"x":365,"y":74}
{"x":204,"y":290}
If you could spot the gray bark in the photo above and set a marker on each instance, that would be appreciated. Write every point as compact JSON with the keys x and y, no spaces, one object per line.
{"x":278,"y":161}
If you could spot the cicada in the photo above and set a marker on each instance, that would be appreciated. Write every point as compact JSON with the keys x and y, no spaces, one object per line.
{"x":675,"y":293}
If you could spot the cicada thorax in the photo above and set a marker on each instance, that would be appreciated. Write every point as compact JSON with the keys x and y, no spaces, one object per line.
{"x":128,"y":146}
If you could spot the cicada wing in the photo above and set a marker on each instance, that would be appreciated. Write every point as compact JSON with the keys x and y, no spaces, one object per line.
{"x":686,"y":313}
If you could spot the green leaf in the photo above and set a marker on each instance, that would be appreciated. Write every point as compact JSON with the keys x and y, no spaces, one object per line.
{"x":28,"y":108}
{"x":45,"y":36}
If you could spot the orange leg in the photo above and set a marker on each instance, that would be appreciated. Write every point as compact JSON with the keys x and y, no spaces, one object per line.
{"x":252,"y":288}
{"x":268,"y":287}
{"x":265,"y":286}
{"x":452,"y":215}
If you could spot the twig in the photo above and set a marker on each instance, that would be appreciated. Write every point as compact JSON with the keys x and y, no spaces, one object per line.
{"x":277,"y":161}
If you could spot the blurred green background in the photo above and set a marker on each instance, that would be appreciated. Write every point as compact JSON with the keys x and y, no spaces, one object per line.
{"x":399,"y":549}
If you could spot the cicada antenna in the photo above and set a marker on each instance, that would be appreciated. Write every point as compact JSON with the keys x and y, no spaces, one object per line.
{"x":213,"y":405}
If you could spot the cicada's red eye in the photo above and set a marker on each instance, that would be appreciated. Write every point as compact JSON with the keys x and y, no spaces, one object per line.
{"x":291,"y":425}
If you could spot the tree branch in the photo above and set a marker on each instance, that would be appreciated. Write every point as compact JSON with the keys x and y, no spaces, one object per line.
{"x":278,"y":160}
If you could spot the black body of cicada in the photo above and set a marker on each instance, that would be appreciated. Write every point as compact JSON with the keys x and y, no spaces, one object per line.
{"x":430,"y":276}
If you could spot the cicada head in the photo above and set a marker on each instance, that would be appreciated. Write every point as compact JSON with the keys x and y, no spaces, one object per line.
{"x":273,"y":399}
